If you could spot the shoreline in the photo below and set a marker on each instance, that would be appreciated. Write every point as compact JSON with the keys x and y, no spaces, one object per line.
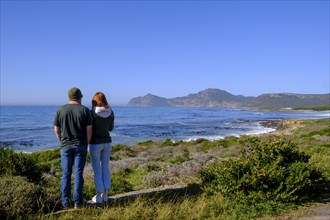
{"x":156,"y":124}
{"x":272,"y":126}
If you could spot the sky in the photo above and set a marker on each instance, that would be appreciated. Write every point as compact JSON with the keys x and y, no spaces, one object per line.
{"x":170,"y":49}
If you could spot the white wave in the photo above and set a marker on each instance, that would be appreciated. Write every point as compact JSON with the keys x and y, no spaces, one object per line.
{"x":258,"y":113}
{"x":209,"y":138}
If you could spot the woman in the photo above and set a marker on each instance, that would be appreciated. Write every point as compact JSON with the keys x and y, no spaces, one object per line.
{"x":100,"y":146}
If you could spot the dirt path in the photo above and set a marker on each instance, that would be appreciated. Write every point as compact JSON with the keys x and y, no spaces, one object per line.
{"x":320,"y":212}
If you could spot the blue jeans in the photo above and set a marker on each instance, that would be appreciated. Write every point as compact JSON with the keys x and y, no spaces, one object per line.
{"x":100,"y":158}
{"x":73,"y":156}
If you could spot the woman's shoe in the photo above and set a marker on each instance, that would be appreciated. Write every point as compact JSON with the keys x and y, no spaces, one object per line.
{"x":97,"y":198}
{"x":105,"y":197}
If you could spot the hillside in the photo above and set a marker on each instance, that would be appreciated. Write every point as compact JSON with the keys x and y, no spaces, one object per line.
{"x":210,"y":98}
{"x":205,"y":98}
{"x":289,"y":100}
{"x":222,"y":98}
{"x":149,"y":100}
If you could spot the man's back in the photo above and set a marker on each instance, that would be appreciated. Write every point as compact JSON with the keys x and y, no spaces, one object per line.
{"x":73,"y":120}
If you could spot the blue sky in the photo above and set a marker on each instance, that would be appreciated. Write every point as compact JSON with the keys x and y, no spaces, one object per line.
{"x":168,"y":48}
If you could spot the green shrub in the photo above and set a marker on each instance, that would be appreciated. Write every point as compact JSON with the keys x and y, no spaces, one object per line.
{"x":18,"y":197}
{"x":185,"y":156}
{"x":324,"y":131}
{"x":207,"y":145}
{"x":146,"y":143}
{"x":320,"y":157}
{"x":271,"y":170}
{"x":47,"y":159}
{"x":119,"y":185}
{"x":46,"y":155}
{"x":19,"y":164}
{"x":119,"y":147}
{"x":51,"y":193}
{"x":120,"y":151}
{"x":324,"y":107}
{"x":169,"y":142}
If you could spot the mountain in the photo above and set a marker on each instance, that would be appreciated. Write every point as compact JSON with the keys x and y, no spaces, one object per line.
{"x":149,"y":100}
{"x":289,"y":100}
{"x":208,"y":97}
{"x":222,"y":98}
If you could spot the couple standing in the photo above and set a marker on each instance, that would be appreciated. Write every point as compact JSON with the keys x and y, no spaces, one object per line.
{"x":76,"y":126}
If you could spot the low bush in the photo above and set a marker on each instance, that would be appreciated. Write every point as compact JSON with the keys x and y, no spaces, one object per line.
{"x":320,"y":157}
{"x":18,"y":197}
{"x":19,"y":164}
{"x":46,"y":155}
{"x":325,"y":107}
{"x":47,"y":159}
{"x":207,"y":145}
{"x":51,"y":193}
{"x":120,"y":151}
{"x":185,"y":156}
{"x":146,"y":143}
{"x":169,"y":142}
{"x":119,"y":185}
{"x":266,"y":171}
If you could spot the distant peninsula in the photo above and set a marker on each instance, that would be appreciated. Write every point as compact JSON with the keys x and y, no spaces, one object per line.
{"x":221,"y":98}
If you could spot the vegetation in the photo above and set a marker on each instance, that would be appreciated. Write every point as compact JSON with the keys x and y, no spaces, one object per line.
{"x":314,"y":108}
{"x":18,"y":196}
{"x":235,"y":178}
{"x":268,"y":173}
{"x":18,"y":164}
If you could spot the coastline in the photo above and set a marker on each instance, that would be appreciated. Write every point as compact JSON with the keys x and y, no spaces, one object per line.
{"x":157,"y":165}
{"x":134,"y":125}
{"x":283,"y":126}
{"x":263,"y":127}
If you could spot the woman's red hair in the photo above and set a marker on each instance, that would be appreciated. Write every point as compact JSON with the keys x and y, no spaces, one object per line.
{"x":100,"y":100}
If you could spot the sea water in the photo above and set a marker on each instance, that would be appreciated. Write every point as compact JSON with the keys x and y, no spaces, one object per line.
{"x":30,"y":128}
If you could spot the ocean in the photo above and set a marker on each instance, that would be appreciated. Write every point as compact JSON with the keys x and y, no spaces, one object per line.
{"x":30,"y":128}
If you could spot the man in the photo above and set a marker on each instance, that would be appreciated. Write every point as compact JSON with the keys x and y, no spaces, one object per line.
{"x":73,"y":128}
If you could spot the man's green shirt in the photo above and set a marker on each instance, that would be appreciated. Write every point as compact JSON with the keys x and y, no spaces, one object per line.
{"x":73,"y":120}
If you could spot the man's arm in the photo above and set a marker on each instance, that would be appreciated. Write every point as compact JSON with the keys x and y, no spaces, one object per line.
{"x":57,"y":131}
{"x":89,"y":133}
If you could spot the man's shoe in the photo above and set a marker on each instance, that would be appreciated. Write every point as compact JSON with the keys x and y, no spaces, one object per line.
{"x":65,"y":207}
{"x":78,"y":206}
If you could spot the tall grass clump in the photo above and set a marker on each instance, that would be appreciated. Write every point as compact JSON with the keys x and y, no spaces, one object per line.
{"x":266,"y":176}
